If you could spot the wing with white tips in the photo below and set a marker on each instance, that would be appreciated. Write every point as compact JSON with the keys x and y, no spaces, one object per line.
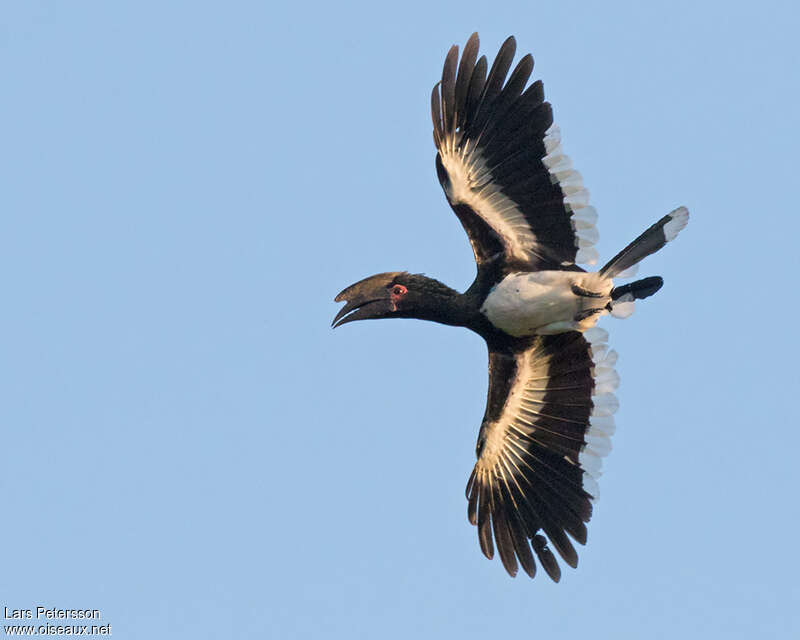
{"x":548,"y":422}
{"x":502,"y":167}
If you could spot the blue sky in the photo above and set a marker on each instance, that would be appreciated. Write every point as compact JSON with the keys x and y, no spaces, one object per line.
{"x":187,"y":446}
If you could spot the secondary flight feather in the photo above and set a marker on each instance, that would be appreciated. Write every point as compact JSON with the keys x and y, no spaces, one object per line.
{"x":549,"y":411}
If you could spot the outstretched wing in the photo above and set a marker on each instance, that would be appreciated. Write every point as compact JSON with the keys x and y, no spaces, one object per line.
{"x":548,"y":419}
{"x":502,"y":169}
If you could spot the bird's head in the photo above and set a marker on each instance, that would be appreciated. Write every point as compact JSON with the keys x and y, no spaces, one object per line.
{"x":396,"y":294}
{"x":384,"y":295}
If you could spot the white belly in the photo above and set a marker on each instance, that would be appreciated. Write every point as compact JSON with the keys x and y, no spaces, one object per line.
{"x":543,"y":302}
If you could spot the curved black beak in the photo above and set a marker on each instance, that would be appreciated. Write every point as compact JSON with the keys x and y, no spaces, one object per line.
{"x":366,"y":299}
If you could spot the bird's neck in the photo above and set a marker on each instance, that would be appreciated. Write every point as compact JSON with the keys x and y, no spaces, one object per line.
{"x":442,"y":304}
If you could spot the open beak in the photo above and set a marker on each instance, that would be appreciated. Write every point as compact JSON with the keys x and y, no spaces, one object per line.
{"x":367,"y":298}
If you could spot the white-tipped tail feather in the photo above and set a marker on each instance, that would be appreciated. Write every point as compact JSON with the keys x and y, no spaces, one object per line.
{"x":623,"y":308}
{"x":678,"y":220}
{"x":662,"y":232}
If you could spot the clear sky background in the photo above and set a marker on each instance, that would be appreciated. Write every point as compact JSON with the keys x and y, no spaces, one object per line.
{"x":188,"y":446}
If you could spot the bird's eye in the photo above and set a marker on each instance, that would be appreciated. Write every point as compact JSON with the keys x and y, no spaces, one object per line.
{"x":399,"y":290}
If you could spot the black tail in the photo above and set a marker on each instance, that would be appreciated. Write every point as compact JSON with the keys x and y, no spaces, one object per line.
{"x":649,"y":242}
{"x":643,"y":288}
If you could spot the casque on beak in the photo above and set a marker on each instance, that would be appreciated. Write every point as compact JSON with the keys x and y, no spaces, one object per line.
{"x":366,"y":299}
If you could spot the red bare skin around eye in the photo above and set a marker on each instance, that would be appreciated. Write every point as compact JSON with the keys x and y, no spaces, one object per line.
{"x":398,"y":291}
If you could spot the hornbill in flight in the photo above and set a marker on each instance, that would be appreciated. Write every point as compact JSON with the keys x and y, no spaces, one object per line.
{"x":550,"y":406}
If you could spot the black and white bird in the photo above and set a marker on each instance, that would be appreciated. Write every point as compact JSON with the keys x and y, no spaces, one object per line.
{"x":549,"y":412}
